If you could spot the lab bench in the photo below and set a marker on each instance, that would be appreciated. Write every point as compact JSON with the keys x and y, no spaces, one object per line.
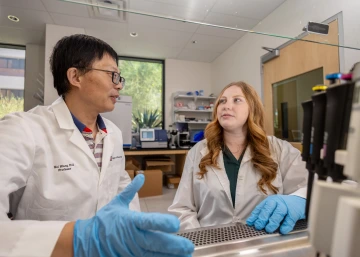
{"x":179,"y":154}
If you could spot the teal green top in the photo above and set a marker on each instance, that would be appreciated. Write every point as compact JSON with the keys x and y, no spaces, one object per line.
{"x":232,"y":166}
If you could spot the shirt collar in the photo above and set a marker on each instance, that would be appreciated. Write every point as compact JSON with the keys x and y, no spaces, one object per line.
{"x":82,"y":128}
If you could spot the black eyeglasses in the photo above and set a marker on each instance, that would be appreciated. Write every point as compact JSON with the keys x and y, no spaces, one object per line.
{"x":116,"y":78}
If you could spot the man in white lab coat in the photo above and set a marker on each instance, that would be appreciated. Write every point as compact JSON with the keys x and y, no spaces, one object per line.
{"x":237,"y":171}
{"x":64,"y":162}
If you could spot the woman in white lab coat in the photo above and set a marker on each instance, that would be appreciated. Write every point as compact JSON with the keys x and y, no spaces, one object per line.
{"x":237,"y":170}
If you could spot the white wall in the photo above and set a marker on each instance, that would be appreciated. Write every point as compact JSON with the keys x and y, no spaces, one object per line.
{"x":53,"y":34}
{"x":184,"y":76}
{"x":34,"y":71}
{"x":179,"y":75}
{"x":242,"y":60}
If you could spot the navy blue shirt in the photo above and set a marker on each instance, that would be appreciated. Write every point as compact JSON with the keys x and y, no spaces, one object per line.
{"x":82,"y":127}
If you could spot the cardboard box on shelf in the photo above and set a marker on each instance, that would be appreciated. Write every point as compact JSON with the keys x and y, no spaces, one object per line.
{"x":131,"y":174}
{"x":172,"y":181}
{"x":132,"y":164}
{"x":153,"y":183}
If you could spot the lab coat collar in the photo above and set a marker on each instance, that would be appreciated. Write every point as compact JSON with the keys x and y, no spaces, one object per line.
{"x":65,"y":121}
{"x":107,"y":150}
{"x":64,"y":118}
{"x":62,"y":114}
{"x":247,"y":155}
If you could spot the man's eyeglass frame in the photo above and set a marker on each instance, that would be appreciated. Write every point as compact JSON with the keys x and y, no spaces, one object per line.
{"x":115,"y":76}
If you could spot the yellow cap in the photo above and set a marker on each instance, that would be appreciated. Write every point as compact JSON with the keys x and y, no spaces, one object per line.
{"x":319,"y":88}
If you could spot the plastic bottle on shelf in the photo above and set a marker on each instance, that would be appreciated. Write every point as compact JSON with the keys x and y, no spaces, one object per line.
{"x":133,"y":143}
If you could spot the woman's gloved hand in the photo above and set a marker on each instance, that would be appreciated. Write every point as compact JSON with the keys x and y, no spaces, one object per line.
{"x":117,"y":231}
{"x":275,"y":209}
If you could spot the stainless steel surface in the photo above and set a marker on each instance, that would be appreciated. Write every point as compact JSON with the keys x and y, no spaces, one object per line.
{"x":230,"y":232}
{"x":241,"y":240}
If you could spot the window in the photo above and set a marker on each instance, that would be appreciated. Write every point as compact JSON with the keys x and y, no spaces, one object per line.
{"x":287,"y":98}
{"x":12,"y":71}
{"x":144,"y":82}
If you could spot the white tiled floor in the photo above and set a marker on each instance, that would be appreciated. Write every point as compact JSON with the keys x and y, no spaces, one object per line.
{"x":158,"y":203}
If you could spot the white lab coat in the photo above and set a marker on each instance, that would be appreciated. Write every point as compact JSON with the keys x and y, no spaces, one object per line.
{"x":207,"y":202}
{"x":49,"y":174}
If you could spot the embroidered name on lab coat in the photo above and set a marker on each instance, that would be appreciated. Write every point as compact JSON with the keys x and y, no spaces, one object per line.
{"x":115,"y":157}
{"x":64,"y":167}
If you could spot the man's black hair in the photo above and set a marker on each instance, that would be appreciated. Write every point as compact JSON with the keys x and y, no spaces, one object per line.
{"x":79,"y":51}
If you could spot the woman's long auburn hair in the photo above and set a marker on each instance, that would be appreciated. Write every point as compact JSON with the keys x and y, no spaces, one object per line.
{"x":256,"y":139}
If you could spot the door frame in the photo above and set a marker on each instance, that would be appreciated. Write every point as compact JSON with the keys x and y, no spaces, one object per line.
{"x":269,"y":56}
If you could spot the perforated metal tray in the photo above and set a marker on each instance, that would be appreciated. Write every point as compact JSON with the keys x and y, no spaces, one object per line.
{"x":237,"y":231}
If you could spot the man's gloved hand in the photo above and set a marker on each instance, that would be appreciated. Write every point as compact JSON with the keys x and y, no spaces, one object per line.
{"x":276,"y":208}
{"x":117,"y":231}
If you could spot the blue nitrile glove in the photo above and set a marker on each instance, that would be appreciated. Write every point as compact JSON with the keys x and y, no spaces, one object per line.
{"x":275,"y":209}
{"x":117,"y":231}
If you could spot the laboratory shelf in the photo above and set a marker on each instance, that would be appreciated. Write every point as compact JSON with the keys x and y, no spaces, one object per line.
{"x":187,"y":110}
{"x":194,"y":122}
{"x":195,"y":97}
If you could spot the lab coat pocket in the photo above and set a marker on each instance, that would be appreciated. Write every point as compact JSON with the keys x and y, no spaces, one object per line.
{"x":115,"y":162}
{"x":38,"y":212}
{"x":47,"y":209}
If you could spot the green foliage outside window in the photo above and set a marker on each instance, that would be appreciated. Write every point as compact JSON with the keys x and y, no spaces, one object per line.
{"x":147,"y":119}
{"x":10,"y":104}
{"x":144,"y":85}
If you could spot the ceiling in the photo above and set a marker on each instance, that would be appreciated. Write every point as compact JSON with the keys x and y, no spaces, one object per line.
{"x":157,"y":38}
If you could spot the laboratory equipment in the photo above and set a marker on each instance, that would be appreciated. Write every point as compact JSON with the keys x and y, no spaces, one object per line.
{"x":313,"y":134}
{"x":238,"y":239}
{"x":306,"y":139}
{"x":153,"y":138}
{"x":147,"y":134}
{"x":337,"y":124}
{"x":121,"y":116}
{"x":317,"y":132}
{"x":183,"y":140}
{"x":196,"y":135}
{"x":334,"y":221}
{"x":173,"y":137}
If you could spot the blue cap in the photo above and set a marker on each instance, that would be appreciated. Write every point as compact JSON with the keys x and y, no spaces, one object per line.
{"x":333,"y":76}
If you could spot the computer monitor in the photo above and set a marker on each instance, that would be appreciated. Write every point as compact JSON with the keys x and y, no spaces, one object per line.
{"x":147,"y":134}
